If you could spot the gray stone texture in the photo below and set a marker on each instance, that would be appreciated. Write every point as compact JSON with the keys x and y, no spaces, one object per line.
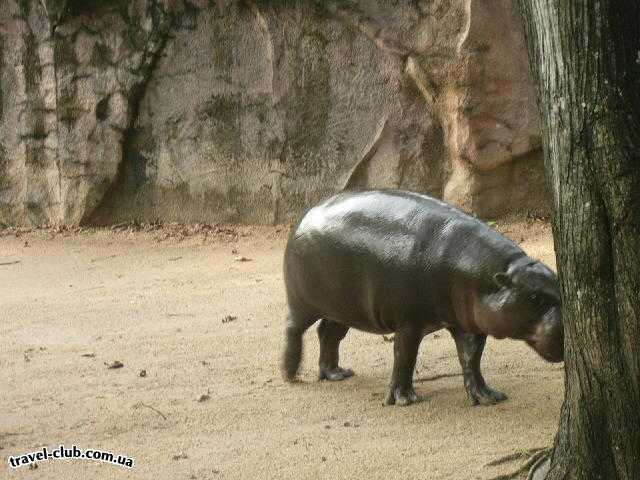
{"x":251,"y":111}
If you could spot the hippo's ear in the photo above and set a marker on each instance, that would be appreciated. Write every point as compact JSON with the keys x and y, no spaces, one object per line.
{"x":501,"y":279}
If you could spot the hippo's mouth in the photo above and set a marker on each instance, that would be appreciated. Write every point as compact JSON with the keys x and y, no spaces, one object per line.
{"x":553,"y":358}
{"x":544,"y":353}
{"x":548,"y":338}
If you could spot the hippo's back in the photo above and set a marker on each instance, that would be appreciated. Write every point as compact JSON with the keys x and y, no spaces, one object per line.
{"x":386,"y":209}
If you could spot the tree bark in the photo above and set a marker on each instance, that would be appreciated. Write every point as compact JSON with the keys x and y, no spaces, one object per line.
{"x":585,"y":57}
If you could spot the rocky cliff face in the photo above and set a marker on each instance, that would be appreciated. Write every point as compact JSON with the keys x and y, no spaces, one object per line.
{"x":250,"y":111}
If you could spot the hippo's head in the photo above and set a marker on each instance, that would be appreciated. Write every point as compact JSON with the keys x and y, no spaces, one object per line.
{"x":527,"y":307}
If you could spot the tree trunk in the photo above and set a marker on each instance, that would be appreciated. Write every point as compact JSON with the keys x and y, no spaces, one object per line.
{"x":585,"y":56}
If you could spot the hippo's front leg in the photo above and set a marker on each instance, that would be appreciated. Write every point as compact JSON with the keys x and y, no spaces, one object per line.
{"x":405,"y":351}
{"x":470,"y":347}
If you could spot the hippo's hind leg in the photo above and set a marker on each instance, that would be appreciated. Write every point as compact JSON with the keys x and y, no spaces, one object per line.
{"x":405,"y":351}
{"x":330,"y":334}
{"x":297,"y":324}
{"x":470,"y":347}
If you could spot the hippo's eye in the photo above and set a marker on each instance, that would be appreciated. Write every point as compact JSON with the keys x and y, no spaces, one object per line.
{"x":537,"y":300}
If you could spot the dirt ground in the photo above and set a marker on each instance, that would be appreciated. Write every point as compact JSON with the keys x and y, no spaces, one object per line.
{"x":177,"y":303}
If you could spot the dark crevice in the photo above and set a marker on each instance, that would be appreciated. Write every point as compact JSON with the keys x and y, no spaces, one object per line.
{"x":102,"y":109}
{"x":1,"y":70}
{"x":76,"y":8}
{"x":147,"y":66}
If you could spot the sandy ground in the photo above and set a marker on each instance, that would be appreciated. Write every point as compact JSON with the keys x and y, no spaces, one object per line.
{"x":160,"y":300}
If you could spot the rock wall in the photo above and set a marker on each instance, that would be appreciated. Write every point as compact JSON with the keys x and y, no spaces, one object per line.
{"x":250,"y":111}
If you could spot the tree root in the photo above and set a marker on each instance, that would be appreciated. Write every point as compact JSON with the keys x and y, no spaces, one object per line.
{"x":538,"y":464}
{"x":527,"y":453}
{"x":536,"y":457}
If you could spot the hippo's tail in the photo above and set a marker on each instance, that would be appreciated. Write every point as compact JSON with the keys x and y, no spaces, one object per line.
{"x":296,"y":326}
{"x":292,"y":353}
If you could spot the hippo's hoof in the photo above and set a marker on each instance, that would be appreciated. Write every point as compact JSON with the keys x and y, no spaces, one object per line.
{"x":486,"y":396}
{"x":335,"y":374}
{"x":399,"y":397}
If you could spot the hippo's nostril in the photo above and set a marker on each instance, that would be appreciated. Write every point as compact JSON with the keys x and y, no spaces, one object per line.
{"x":555,"y":349}
{"x":556,"y":357}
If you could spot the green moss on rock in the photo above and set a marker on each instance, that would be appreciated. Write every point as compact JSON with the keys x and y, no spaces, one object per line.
{"x":67,"y":108}
{"x":1,"y":69}
{"x":3,"y":161}
{"x":31,"y":64}
{"x":101,"y":56}
{"x":34,"y":155}
{"x":64,"y":53}
{"x":25,"y":8}
{"x":222,"y":43}
{"x":263,"y":105}
{"x":224,"y":113}
{"x":308,"y":103}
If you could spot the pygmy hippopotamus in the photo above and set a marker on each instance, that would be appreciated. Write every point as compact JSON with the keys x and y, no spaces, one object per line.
{"x":386,"y":261}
